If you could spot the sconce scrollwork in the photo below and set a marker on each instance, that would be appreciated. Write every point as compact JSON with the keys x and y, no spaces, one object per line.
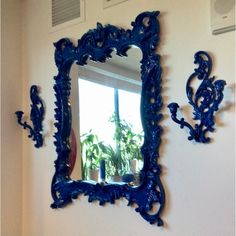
{"x":36,"y":116}
{"x":205,"y":101}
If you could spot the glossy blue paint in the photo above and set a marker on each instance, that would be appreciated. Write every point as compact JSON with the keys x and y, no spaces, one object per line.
{"x":97,"y":45}
{"x":205,"y":101}
{"x":36,"y":116}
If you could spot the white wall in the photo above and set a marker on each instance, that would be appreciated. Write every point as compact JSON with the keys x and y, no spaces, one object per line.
{"x":199,"y":179}
{"x":11,"y":134}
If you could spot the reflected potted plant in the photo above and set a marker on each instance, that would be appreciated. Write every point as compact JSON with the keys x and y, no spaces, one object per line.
{"x":122,"y":158}
{"x":91,"y":155}
{"x":129,"y":141}
{"x":115,"y":163}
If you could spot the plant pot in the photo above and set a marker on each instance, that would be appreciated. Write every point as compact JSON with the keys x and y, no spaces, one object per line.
{"x":116,"y":178}
{"x":133,"y":166}
{"x":93,"y":174}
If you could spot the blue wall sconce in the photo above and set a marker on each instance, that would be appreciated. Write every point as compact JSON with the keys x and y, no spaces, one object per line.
{"x":36,"y":116}
{"x":205,"y":101}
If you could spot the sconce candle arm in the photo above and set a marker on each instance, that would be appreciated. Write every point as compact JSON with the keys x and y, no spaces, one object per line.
{"x":173,"y":109}
{"x":36,"y":116}
{"x":24,"y":124}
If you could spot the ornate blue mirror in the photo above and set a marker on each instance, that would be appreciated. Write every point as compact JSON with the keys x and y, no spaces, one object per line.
{"x":107,"y":115}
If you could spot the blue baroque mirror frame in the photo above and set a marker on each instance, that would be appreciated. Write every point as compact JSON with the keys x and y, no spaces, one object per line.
{"x":97,"y":45}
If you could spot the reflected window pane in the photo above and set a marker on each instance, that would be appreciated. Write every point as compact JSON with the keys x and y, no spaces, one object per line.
{"x":96,"y":105}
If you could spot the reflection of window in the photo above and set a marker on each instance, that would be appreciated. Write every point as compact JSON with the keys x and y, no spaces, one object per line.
{"x":103,"y":93}
{"x":111,"y":132}
{"x":97,"y":105}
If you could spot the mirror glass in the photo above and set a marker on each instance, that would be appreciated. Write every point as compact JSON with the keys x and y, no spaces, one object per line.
{"x":106,"y":133}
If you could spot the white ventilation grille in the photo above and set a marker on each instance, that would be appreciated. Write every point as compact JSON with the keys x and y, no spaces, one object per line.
{"x":64,"y":11}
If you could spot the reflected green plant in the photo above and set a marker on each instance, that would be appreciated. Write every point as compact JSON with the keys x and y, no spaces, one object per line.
{"x":118,"y":158}
{"x":129,"y":141}
{"x":90,"y":152}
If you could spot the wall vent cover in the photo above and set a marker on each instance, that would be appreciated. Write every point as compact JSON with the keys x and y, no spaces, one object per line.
{"x":65,"y":10}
